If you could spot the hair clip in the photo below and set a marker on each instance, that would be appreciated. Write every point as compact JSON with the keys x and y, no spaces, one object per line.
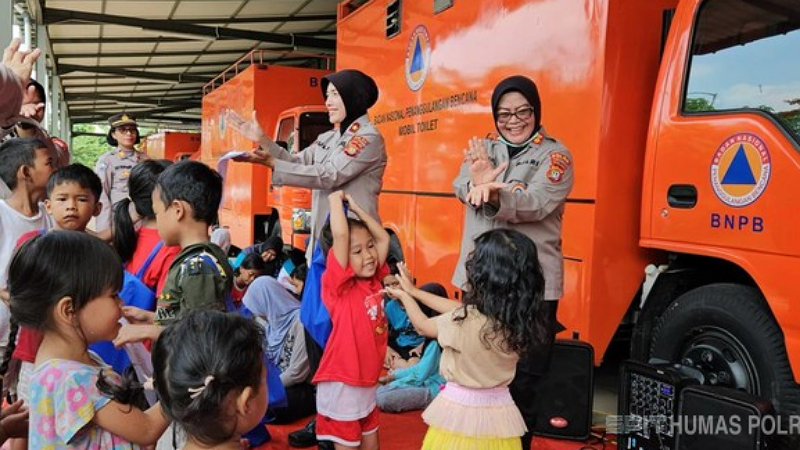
{"x":149,"y":384}
{"x":195,"y":392}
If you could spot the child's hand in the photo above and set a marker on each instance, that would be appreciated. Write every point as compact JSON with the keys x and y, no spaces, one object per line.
{"x":135,"y":333}
{"x":355,"y":207}
{"x":417,"y":351}
{"x":404,"y":277}
{"x":14,"y":421}
{"x":338,"y":196}
{"x":391,"y":356}
{"x":398,"y":294}
{"x":386,"y":379}
{"x":138,"y":315}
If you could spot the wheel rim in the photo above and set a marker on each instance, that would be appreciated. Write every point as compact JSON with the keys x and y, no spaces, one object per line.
{"x":722,"y":358}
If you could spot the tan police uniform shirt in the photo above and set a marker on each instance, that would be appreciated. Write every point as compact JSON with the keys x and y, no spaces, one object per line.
{"x":539,"y":179}
{"x":114,"y":168}
{"x":352,"y":161}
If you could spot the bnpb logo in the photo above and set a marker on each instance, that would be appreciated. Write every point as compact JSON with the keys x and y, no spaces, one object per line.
{"x":418,"y":58}
{"x":740,"y":169}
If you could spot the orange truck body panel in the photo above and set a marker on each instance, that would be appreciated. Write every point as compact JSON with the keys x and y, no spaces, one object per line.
{"x":171,"y":144}
{"x":267,"y":91}
{"x":608,"y":98}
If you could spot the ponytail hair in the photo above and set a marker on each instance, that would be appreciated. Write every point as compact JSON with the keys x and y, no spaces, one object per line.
{"x":141,"y":183}
{"x":201,"y":359}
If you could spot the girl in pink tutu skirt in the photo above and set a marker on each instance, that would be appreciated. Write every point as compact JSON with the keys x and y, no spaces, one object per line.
{"x":481,"y":340}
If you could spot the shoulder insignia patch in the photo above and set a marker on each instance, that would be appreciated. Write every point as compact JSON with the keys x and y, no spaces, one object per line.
{"x":356,"y":144}
{"x":559,"y":163}
{"x":354,"y":127}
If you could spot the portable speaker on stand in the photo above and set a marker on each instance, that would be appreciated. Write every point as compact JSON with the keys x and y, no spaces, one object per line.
{"x":565,"y":393}
{"x":724,"y":418}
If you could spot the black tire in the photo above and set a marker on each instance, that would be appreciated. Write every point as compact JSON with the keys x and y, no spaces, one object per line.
{"x":727,"y":332}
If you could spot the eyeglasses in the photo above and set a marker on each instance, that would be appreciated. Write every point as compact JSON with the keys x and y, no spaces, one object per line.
{"x":524,"y":113}
{"x":128,"y":130}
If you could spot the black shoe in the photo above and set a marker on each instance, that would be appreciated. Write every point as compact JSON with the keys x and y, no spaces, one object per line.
{"x":326,"y":445}
{"x":304,"y":437}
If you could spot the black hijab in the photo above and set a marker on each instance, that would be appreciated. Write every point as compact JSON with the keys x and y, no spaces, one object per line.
{"x":528,"y":89}
{"x":358,"y":91}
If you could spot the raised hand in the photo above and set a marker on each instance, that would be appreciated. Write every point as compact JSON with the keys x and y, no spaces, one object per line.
{"x":481,"y":169}
{"x":20,"y":62}
{"x":250,"y":129}
{"x":405,"y":278}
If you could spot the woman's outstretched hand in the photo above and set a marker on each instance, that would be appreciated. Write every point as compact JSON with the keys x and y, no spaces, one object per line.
{"x":257,"y":156}
{"x":247,"y":128}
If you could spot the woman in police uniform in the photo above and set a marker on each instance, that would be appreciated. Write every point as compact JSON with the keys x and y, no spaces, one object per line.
{"x":114,"y":167}
{"x":521,"y":181}
{"x":351,"y":157}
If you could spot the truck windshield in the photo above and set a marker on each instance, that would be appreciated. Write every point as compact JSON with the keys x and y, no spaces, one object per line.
{"x":312,"y":124}
{"x":745,"y":56}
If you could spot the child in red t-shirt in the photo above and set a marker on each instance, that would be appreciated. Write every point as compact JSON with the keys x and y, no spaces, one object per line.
{"x":347,"y":378}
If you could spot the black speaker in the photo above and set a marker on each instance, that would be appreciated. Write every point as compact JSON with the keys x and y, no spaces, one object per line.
{"x":718,"y":417}
{"x":565,"y":392}
{"x":648,"y":403}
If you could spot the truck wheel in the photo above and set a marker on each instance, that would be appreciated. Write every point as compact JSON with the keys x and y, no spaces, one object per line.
{"x":726,"y":332}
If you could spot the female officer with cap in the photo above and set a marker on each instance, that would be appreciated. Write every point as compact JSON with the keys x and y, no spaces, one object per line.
{"x":114,"y":167}
{"x":521,"y":181}
{"x":351,"y":157}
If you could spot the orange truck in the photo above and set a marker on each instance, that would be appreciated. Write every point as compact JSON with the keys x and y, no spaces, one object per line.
{"x":251,"y":208}
{"x":172,"y":145}
{"x":683,"y":119}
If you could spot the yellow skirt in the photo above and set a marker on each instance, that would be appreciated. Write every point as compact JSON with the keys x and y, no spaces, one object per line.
{"x":439,"y":439}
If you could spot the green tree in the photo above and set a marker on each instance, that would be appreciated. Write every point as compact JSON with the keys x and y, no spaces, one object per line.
{"x":698,"y":104}
{"x":87,"y":148}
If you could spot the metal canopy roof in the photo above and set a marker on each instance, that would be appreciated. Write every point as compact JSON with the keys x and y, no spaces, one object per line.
{"x":153,"y":57}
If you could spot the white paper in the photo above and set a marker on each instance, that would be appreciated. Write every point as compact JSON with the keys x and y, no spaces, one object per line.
{"x":222,"y":164}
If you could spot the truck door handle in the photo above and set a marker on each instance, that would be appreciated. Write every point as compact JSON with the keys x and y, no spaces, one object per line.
{"x":682,"y":196}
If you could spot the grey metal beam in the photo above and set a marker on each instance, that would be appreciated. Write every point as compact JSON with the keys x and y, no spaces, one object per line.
{"x":54,"y":15}
{"x":165,"y":66}
{"x":259,"y":19}
{"x":119,"y":40}
{"x":177,"y":77}
{"x":130,"y":98}
{"x":103,"y":119}
{"x":242,"y":51}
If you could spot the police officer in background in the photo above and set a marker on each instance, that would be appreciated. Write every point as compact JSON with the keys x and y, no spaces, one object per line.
{"x":521,"y":181}
{"x":114,"y":167}
{"x":351,"y":157}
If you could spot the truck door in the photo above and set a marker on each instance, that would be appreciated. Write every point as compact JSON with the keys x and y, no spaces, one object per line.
{"x":727,"y":136}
